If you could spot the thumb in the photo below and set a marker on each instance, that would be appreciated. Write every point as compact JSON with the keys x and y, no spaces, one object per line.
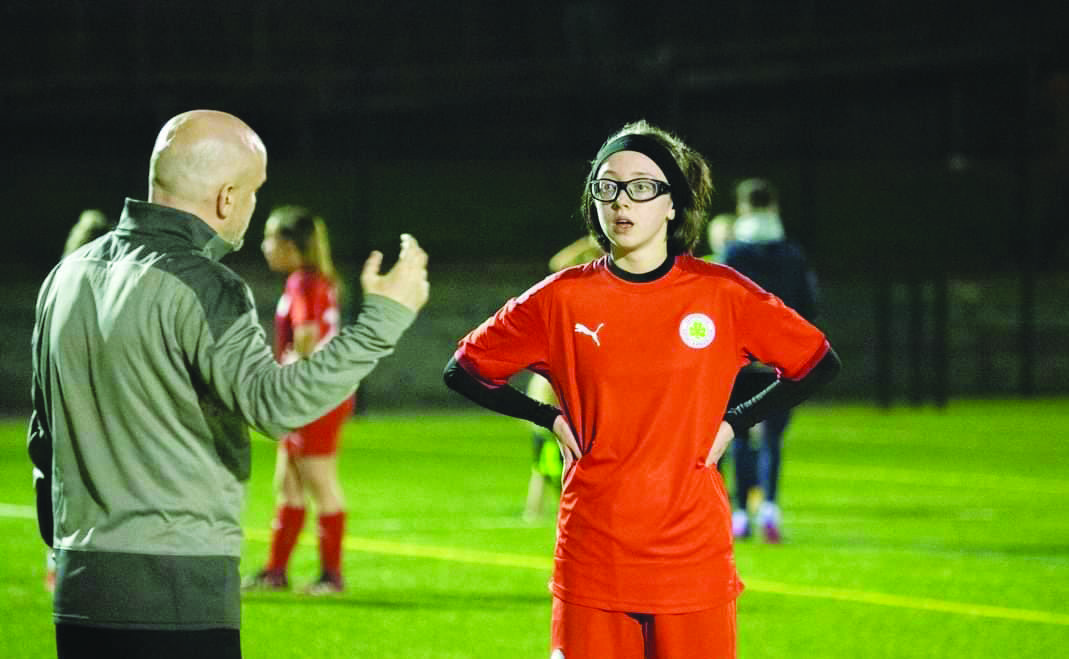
{"x":371,"y":268}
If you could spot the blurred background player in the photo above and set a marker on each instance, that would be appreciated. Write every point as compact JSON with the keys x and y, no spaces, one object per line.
{"x":296,"y":244}
{"x":719,"y":232}
{"x":91,"y":225}
{"x":759,"y":249}
{"x":547,"y":467}
{"x":583,"y":250}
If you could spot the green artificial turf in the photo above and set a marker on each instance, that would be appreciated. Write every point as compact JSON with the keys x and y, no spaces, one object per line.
{"x":911,"y":533}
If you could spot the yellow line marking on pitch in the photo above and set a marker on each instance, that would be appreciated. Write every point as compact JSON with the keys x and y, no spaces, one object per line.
{"x":457,"y":555}
{"x":905,"y":602}
{"x":501,"y":559}
{"x":21,"y":512}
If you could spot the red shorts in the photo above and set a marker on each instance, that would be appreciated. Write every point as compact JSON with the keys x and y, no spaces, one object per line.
{"x":580,"y":632}
{"x":321,"y":436}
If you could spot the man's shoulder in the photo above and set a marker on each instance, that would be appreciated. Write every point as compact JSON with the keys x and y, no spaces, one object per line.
{"x":222,"y":293}
{"x":200,"y":273}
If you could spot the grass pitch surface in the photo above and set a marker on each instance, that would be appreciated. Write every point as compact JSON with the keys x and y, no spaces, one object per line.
{"x":914,"y":533}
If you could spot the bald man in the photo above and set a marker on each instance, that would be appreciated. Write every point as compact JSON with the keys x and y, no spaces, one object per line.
{"x":149,"y":367}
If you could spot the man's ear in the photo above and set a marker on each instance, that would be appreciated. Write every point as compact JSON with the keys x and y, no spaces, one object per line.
{"x":224,"y":201}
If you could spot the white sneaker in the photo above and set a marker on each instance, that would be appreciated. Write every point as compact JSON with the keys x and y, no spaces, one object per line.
{"x":740,"y":524}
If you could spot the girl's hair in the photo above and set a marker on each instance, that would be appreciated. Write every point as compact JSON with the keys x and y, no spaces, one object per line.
{"x":686,"y":229}
{"x":309,"y":234}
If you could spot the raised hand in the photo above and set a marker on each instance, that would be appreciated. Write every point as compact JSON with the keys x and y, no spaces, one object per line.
{"x":406,"y":282}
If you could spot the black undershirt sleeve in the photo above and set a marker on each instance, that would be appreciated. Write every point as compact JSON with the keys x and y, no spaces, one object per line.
{"x":504,"y":399}
{"x":783,"y":394}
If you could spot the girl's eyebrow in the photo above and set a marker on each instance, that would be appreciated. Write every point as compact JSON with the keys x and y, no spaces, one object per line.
{"x":638,"y":174}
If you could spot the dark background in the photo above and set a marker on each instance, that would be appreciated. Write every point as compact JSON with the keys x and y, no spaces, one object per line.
{"x":921,"y":150}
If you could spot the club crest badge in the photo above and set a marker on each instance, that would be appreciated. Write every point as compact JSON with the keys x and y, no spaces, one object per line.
{"x":697,"y":330}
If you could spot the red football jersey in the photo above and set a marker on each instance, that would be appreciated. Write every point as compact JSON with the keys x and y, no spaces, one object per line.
{"x":308,"y":297}
{"x":643,"y":372}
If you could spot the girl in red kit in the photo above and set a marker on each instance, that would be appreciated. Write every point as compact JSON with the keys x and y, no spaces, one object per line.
{"x":295,"y":243}
{"x":641,"y":347}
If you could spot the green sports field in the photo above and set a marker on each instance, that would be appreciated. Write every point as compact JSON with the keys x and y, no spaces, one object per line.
{"x":913,"y":533}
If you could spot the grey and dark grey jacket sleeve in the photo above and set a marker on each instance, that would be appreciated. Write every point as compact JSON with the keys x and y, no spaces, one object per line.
{"x":39,"y":446}
{"x":276,"y":399}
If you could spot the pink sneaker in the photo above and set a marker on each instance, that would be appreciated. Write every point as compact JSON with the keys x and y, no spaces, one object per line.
{"x":769,"y":517}
{"x":771,"y":533}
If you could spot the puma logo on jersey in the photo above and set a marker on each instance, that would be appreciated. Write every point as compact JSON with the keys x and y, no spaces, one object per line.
{"x":583,"y":329}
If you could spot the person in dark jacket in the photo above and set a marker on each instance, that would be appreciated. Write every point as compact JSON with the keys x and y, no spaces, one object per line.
{"x":761,"y":251}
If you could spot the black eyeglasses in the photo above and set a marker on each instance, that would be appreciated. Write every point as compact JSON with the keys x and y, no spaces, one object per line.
{"x":639,"y":189}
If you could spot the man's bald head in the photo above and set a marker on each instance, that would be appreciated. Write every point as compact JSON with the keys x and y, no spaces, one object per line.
{"x":203,"y":162}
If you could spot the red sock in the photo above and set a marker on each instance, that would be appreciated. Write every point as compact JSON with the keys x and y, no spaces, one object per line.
{"x":285,"y":529}
{"x":331,"y":532}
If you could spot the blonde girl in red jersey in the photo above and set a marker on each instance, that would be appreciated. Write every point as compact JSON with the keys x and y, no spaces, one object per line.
{"x":296,"y":244}
{"x":642,"y":347}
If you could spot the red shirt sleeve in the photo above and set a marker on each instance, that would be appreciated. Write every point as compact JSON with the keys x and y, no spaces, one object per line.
{"x":511,"y":340}
{"x":776,"y":335}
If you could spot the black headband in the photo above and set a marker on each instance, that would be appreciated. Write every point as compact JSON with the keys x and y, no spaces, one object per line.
{"x":652,"y":148}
